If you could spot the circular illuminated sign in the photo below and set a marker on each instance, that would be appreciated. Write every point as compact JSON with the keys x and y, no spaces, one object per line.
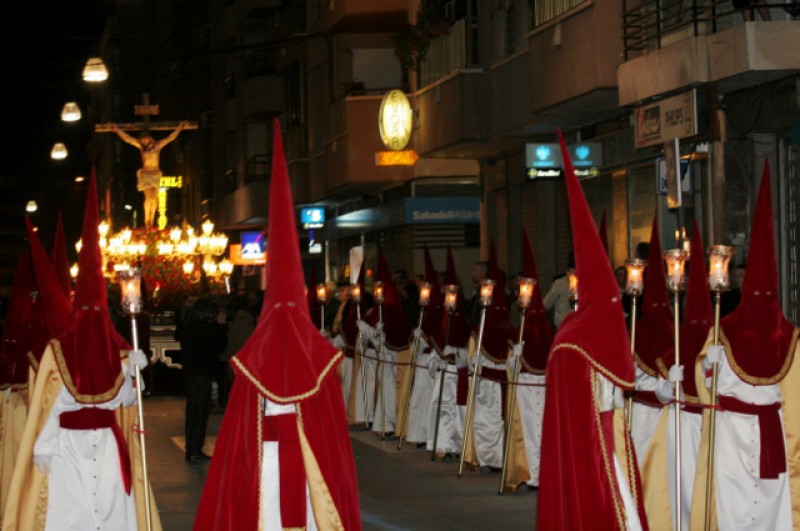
{"x":395,"y":120}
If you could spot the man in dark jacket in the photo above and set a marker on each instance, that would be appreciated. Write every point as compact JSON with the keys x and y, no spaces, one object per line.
{"x":200,"y":329}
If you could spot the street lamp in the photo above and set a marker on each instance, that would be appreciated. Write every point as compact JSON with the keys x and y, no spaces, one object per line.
{"x":95,"y":70}
{"x":71,"y":112}
{"x":59,"y":151}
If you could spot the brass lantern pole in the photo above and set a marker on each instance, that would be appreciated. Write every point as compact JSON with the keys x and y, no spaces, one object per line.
{"x":380,"y":366}
{"x":526,"y":286}
{"x":487,"y":286}
{"x":131,"y":287}
{"x":424,"y":300}
{"x":355,"y":292}
{"x":322,"y":298}
{"x":676,"y":261}
{"x":634,"y":286}
{"x":450,"y":299}
{"x":719,"y":257}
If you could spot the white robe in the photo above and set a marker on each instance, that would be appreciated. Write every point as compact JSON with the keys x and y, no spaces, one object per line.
{"x":385,"y":413}
{"x":487,"y":428}
{"x":345,"y":368}
{"x":451,"y":415}
{"x":644,"y":418}
{"x":746,"y":502}
{"x":270,"y":478}
{"x":85,"y":484}
{"x":530,"y":407}
{"x":421,"y":394}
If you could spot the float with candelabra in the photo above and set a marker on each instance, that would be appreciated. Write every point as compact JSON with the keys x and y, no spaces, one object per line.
{"x":175,"y":262}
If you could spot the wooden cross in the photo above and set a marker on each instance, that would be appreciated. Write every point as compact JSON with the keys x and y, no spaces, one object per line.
{"x":147,"y":110}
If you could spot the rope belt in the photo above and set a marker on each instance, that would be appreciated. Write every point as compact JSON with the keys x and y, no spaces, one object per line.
{"x":283,"y":430}
{"x":647,"y":398}
{"x":773,"y":450}
{"x":92,"y":418}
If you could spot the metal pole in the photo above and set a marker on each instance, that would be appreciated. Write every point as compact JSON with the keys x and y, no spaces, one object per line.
{"x":511,"y":407}
{"x":137,"y":373}
{"x":441,"y":389}
{"x":362,"y":369}
{"x":629,"y":402}
{"x":712,"y":417}
{"x":471,"y":393}
{"x":382,"y":366}
{"x":413,"y":368}
{"x":678,"y":501}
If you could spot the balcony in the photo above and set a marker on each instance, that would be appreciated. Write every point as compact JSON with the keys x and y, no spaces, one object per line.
{"x":345,"y":164}
{"x":357,"y":16}
{"x":672,"y":47}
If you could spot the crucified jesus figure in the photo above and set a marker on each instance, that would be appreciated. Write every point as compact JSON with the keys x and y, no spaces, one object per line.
{"x":148,"y":177}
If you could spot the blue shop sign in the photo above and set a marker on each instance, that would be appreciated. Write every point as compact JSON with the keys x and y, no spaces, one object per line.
{"x":587,"y":157}
{"x":442,"y":210}
{"x":543,"y":161}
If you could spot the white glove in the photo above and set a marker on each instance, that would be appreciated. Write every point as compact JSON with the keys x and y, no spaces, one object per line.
{"x":417,"y":333}
{"x":364,"y":328}
{"x":379,"y":327}
{"x":436,"y":364}
{"x":714,"y":354}
{"x":42,"y":461}
{"x":138,"y":358}
{"x":513,"y":357}
{"x":326,"y":334}
{"x":676,"y":373}
{"x":450,"y":351}
{"x":665,"y":390}
{"x":473,"y":361}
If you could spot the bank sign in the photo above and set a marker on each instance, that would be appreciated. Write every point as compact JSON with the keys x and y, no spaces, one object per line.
{"x":543,"y":161}
{"x":442,"y":210}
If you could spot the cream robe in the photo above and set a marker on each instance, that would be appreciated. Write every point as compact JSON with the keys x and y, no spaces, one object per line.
{"x":451,"y":415}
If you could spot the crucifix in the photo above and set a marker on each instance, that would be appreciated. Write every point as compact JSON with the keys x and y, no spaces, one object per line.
{"x":148,"y":177}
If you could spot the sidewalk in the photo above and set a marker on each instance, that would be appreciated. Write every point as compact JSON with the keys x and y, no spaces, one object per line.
{"x":399,"y":490}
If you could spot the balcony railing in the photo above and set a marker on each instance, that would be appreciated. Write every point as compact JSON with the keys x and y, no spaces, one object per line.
{"x":451,"y":52}
{"x":257,"y":168}
{"x":650,"y":24}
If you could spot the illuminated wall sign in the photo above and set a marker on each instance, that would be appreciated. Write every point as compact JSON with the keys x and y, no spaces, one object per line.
{"x":542,"y":161}
{"x":252,"y":245}
{"x":442,"y":210}
{"x":235,"y":251}
{"x":674,"y":117}
{"x":587,"y":158}
{"x":312,"y":217}
{"x":395,"y":120}
{"x":406,"y":157}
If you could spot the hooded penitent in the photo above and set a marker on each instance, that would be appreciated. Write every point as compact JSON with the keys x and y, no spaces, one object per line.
{"x":355,"y":311}
{"x":395,"y":324}
{"x":654,"y":330}
{"x":538,"y":332}
{"x":433,"y":312}
{"x":19,"y":317}
{"x":52,"y":302}
{"x":698,"y":318}
{"x":88,"y":354}
{"x":454,"y":330}
{"x":578,"y":487}
{"x":287,"y":361}
{"x":498,"y":332}
{"x":759,"y":337}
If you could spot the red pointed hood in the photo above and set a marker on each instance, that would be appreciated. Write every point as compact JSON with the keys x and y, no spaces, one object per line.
{"x":53,"y":303}
{"x":498,"y":331}
{"x":349,"y":325}
{"x":433,"y":312}
{"x":58,"y":257}
{"x":13,"y":351}
{"x":286,"y":357}
{"x":655,"y":329}
{"x":89,"y":353}
{"x":453,"y":325}
{"x":538,"y":332}
{"x":698,"y":316}
{"x":598,"y":325}
{"x":761,"y":338}
{"x":396,"y":327}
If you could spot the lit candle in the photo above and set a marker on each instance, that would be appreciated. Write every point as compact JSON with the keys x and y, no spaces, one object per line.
{"x":424,"y":294}
{"x":450,"y":297}
{"x":719,"y":257}
{"x":634,"y":284}
{"x":378,"y":292}
{"x":572,"y":277}
{"x":676,"y":260}
{"x":355,"y":292}
{"x":131,"y":286}
{"x":322,"y":293}
{"x":487,"y":287}
{"x":525,"y":291}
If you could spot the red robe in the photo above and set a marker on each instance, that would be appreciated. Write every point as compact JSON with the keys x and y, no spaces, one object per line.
{"x":231,"y":496}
